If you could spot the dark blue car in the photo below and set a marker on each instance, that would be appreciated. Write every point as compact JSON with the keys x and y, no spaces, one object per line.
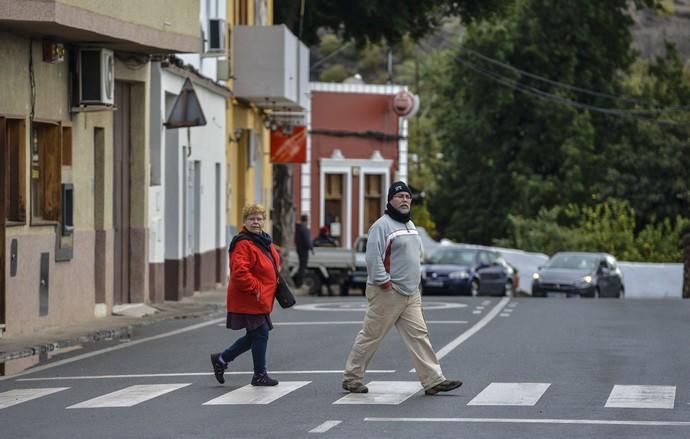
{"x":467,"y":270}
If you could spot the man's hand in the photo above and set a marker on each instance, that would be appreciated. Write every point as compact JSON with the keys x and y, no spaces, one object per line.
{"x":387,"y":286}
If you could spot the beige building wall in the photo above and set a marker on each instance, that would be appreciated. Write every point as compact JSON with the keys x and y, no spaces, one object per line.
{"x":143,"y":26}
{"x":245,"y":116}
{"x":71,"y":283}
{"x":174,"y":16}
{"x":81,"y":286}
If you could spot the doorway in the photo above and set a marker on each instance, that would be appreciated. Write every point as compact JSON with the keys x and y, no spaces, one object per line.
{"x":3,"y":215}
{"x":122,"y":138}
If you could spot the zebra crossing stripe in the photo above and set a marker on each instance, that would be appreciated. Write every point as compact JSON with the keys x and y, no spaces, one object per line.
{"x":647,"y":397}
{"x":18,"y":396}
{"x":256,"y":394}
{"x":129,"y":396}
{"x":324,"y":427}
{"x":383,"y":392}
{"x":510,"y":394}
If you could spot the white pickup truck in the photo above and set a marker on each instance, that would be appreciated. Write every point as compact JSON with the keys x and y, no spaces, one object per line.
{"x":331,"y":267}
{"x":340,"y":269}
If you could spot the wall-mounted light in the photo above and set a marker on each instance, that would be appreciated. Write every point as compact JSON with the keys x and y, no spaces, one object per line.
{"x":238,"y":135}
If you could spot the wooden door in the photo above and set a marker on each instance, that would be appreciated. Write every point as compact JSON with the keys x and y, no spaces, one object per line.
{"x":121,"y":192}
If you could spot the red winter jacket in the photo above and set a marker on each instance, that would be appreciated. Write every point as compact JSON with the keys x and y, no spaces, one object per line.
{"x":253,"y":280}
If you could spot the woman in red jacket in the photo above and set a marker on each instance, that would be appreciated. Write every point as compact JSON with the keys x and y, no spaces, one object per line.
{"x":254,"y":264}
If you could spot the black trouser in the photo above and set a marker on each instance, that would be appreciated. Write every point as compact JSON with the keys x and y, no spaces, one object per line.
{"x":299,"y":276}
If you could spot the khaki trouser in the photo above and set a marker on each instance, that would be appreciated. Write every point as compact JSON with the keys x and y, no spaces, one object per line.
{"x":388,"y":308}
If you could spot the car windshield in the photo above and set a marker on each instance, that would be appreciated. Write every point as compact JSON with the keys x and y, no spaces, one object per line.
{"x":453,"y":256}
{"x":573,"y":261}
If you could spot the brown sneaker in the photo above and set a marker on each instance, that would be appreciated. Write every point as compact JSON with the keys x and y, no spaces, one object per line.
{"x":444,"y":386}
{"x":355,"y":387}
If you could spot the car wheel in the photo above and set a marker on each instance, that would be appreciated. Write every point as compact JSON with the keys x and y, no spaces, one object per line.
{"x":344,"y":289}
{"x":474,"y":287}
{"x":313,"y":282}
{"x":508,"y":288}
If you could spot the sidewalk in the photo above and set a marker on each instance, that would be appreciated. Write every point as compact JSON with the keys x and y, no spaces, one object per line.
{"x":42,"y":344}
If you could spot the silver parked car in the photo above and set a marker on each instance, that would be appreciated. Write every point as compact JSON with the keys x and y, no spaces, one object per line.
{"x":579,"y":274}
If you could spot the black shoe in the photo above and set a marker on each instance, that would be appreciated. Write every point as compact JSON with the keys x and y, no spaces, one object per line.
{"x":444,"y":386}
{"x":218,"y":368}
{"x":355,"y":387}
{"x":263,"y":380}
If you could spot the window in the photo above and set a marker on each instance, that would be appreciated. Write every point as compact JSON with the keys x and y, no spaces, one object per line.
{"x":333,"y":206}
{"x":51,"y":149}
{"x":373,"y":199}
{"x":13,"y":141}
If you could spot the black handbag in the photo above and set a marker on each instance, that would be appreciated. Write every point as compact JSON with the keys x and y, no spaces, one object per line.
{"x":284,"y":296}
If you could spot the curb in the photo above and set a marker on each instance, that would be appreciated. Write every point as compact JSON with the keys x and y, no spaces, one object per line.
{"x":108,"y":334}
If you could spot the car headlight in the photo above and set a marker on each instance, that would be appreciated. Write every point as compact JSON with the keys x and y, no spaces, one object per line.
{"x":459,"y":275}
{"x":535,"y":276}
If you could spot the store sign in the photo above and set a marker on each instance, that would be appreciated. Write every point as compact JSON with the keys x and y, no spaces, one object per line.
{"x":289,"y":147}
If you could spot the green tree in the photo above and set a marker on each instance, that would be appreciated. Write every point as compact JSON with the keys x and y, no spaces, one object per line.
{"x":514,"y":144}
{"x":376,"y":20}
{"x":334,"y":73}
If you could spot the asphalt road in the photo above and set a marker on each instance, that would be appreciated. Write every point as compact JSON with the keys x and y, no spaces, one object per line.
{"x":533,"y":368}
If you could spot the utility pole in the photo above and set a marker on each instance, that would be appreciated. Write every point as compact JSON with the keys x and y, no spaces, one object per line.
{"x":283,"y":213}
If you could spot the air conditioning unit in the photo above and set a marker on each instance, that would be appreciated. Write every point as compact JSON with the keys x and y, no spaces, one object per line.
{"x":96,"y":70}
{"x":216,"y":35}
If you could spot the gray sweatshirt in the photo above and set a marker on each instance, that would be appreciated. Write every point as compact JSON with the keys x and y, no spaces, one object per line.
{"x":394,"y":253}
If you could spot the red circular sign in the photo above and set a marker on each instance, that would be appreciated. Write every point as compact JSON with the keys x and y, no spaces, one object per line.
{"x":405,"y":104}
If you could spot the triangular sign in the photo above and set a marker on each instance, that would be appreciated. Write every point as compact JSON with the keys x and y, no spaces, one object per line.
{"x":186,"y":111}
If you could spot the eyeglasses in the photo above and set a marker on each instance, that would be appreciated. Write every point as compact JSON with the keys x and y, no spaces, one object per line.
{"x":403,"y":196}
{"x":255,"y":219}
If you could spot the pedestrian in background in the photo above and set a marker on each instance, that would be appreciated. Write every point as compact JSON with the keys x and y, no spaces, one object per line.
{"x":304,"y":246}
{"x":324,"y":239}
{"x":393,"y":257}
{"x":254,"y":267}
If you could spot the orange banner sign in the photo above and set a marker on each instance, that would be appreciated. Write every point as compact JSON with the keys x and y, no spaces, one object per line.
{"x":289,"y":148}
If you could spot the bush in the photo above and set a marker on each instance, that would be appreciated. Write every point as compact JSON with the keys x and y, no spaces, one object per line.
{"x":606,"y":227}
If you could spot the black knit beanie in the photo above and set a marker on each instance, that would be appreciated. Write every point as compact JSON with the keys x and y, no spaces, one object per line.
{"x":398,"y":186}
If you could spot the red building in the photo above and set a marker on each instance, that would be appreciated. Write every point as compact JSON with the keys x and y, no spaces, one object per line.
{"x":357,"y":146}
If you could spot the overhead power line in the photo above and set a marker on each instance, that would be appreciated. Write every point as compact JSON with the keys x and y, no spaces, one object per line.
{"x":572,"y":87}
{"x":544,"y":95}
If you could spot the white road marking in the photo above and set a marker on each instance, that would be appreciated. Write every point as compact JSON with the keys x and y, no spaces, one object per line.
{"x":184,"y":374}
{"x":129,"y":396}
{"x":383,"y":392}
{"x":325,"y":427}
{"x":473,"y":330}
{"x":476,"y":312}
{"x":648,"y":397}
{"x":18,"y":396}
{"x":486,"y":302}
{"x":503,"y":314}
{"x":512,"y":394}
{"x":113,"y":348}
{"x":256,"y":394}
{"x":509,"y":310}
{"x":359,"y":322}
{"x":479,"y":307}
{"x":536,"y":421}
{"x":362,"y":306}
